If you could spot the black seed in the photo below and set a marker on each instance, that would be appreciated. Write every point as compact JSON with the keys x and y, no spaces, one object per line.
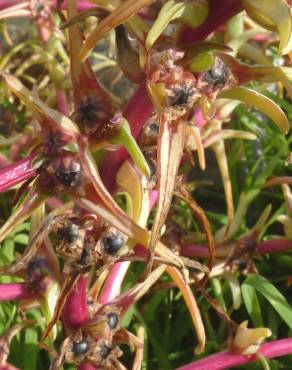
{"x":105,"y":351}
{"x":217,"y":75}
{"x":113,"y":244}
{"x":181,"y":97}
{"x":83,"y":258}
{"x":152,"y":167}
{"x":88,"y":112}
{"x":79,"y":348}
{"x":154,"y":128}
{"x":37,"y":268}
{"x":69,"y":233}
{"x":242,"y":265}
{"x":112,"y":320}
{"x":69,"y":178}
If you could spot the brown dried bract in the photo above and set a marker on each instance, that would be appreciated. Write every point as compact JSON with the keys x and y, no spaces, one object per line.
{"x":178,"y":85}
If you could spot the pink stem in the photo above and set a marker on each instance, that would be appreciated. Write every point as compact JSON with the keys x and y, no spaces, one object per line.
{"x":266,"y":246}
{"x":75,"y":312}
{"x":274,"y":246}
{"x":17,"y":173}
{"x":9,"y":292}
{"x":226,"y":360}
{"x":85,"y":366}
{"x":62,"y":102}
{"x":219,"y":13}
{"x":137,"y":112}
{"x":81,"y":4}
{"x":8,"y":367}
{"x":113,"y":282}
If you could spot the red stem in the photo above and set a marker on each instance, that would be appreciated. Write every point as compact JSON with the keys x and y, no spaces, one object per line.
{"x":75,"y":311}
{"x":17,"y":173}
{"x":226,"y":360}
{"x":137,"y":112}
{"x":9,"y":292}
{"x":219,"y":13}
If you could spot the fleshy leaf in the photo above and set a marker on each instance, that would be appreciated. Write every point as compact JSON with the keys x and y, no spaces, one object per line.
{"x":170,"y":146}
{"x":192,"y":13}
{"x":274,"y":15}
{"x":118,"y":16}
{"x":125,"y":138}
{"x":48,"y":304}
{"x":261,"y":102}
{"x":131,"y":181}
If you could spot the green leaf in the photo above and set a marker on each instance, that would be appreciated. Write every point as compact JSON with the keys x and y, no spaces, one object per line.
{"x":191,"y":13}
{"x":260,"y":102}
{"x":21,"y":239}
{"x":273,"y":15}
{"x":29,"y":358}
{"x":272,"y":295}
{"x":252,"y":305}
{"x":125,"y":138}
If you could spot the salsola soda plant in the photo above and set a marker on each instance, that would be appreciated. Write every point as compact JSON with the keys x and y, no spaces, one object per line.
{"x":120,"y":247}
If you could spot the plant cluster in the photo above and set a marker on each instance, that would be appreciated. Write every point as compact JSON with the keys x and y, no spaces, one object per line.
{"x":144,"y":153}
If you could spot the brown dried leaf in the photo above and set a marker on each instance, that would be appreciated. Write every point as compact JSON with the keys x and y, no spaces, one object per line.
{"x":170,"y":146}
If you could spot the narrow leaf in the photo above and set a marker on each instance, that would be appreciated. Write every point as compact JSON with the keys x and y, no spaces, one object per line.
{"x":261,"y":102}
{"x":193,"y":13}
{"x":272,"y":295}
{"x":118,"y":16}
{"x":274,"y":15}
{"x":125,"y":138}
{"x":252,"y":305}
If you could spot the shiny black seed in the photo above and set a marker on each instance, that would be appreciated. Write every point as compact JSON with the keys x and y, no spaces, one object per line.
{"x":112,"y":320}
{"x":217,"y":75}
{"x":83,"y":258}
{"x":154,"y":128}
{"x":105,"y":350}
{"x":69,"y":178}
{"x":79,"y":348}
{"x":69,"y":233}
{"x":113,"y":244}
